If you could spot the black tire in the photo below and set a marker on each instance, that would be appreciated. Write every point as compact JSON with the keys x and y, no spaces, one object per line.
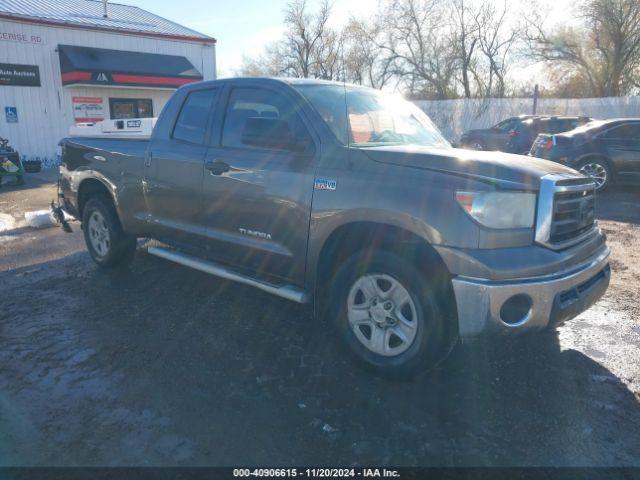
{"x":601,"y":163}
{"x":430,"y":343}
{"x":121,"y":247}
{"x":19,"y":180}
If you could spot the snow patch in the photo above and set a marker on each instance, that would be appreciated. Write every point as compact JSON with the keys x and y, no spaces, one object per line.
{"x":7,"y":222}
{"x":40,"y":219}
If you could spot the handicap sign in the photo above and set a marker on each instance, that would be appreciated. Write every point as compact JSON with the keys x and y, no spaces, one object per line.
{"x":11,"y":114}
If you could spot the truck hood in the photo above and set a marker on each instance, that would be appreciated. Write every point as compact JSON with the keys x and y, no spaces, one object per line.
{"x":496,"y":167}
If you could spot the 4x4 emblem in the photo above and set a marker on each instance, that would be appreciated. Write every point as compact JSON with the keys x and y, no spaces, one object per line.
{"x":325,"y":184}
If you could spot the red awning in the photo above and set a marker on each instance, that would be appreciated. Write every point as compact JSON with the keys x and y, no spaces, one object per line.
{"x":99,"y":66}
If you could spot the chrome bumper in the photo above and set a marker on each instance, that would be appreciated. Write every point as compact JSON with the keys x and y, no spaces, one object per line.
{"x":553,"y":299}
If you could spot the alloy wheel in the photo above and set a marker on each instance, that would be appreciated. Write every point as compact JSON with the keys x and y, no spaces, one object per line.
{"x":597,"y":172}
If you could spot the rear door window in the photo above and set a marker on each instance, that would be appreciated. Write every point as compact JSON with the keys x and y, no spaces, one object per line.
{"x":191,"y":124}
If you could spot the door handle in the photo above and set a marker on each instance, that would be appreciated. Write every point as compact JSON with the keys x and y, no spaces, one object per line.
{"x":217,"y":167}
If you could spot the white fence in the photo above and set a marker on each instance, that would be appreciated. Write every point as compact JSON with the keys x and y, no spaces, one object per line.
{"x":455,"y":116}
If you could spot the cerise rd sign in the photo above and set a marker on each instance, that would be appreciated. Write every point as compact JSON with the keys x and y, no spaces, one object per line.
{"x":21,"y":38}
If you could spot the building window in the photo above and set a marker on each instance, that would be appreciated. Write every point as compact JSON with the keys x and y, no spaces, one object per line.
{"x":130,"y":108}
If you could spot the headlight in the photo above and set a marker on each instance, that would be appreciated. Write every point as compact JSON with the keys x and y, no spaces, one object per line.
{"x":499,"y":209}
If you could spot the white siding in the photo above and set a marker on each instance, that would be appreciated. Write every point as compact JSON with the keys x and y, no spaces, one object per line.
{"x":45,"y":113}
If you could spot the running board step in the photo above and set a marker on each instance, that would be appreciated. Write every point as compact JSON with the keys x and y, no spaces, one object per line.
{"x":288,"y":292}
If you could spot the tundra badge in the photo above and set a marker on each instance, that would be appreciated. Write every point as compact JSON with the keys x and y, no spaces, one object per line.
{"x":255,"y":233}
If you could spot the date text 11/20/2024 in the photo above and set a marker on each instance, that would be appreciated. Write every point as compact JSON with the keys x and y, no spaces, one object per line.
{"x":317,"y":472}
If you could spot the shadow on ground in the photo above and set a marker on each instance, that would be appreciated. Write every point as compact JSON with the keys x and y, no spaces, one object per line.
{"x":161,"y":365}
{"x":619,"y":203}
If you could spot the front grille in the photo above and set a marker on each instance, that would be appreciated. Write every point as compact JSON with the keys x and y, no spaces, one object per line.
{"x":573,"y":211}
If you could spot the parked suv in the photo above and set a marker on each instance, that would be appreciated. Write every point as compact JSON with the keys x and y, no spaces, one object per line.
{"x":492,"y":138}
{"x":349,"y":198}
{"x":607,"y":151}
{"x":516,"y":134}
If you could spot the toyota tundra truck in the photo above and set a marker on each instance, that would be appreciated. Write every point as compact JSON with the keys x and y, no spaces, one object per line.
{"x":348,"y":198}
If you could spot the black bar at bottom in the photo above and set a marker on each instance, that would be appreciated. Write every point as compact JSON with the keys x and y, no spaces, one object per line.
{"x":404,"y":473}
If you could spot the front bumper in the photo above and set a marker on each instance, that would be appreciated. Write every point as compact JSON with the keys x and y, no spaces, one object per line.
{"x":552,"y":299}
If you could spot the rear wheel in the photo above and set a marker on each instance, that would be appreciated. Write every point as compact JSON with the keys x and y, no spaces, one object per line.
{"x":107,"y":243}
{"x":388,"y":314}
{"x":599,"y":171}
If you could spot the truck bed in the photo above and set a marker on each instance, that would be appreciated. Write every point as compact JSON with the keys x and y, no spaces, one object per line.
{"x":101,"y":158}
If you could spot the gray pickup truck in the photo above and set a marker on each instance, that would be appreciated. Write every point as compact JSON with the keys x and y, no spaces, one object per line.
{"x":351,"y":199}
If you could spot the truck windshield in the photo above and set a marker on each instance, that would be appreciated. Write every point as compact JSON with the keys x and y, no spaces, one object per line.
{"x":362,"y":117}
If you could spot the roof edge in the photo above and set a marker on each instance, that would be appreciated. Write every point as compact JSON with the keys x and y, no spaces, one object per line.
{"x":53,"y":23}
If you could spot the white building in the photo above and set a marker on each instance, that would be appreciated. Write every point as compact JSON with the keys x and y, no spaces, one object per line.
{"x":71,"y":61}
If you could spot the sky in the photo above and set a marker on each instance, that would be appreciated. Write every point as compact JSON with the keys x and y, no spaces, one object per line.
{"x":243,"y":27}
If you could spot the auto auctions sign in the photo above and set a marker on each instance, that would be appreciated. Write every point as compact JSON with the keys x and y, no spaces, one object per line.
{"x":88,"y":109}
{"x":19,"y":75}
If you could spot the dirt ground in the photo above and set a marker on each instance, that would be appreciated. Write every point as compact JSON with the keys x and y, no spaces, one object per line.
{"x":157,"y":364}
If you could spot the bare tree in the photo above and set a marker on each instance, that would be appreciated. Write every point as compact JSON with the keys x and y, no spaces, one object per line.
{"x":465,"y":23}
{"x":430,"y":48}
{"x":496,"y":39}
{"x":604,"y":50}
{"x":364,"y":62}
{"x":307,"y":36}
{"x":310,"y":48}
{"x":418,"y":45}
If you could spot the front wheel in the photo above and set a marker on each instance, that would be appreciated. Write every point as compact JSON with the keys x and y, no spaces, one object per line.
{"x":388,"y":314}
{"x":598,"y":170}
{"x":107,"y":243}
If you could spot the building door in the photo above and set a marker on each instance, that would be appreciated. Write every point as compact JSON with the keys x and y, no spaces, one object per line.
{"x":130,"y":108}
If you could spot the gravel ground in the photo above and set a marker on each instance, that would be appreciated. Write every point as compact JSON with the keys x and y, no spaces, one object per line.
{"x":157,"y":364}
